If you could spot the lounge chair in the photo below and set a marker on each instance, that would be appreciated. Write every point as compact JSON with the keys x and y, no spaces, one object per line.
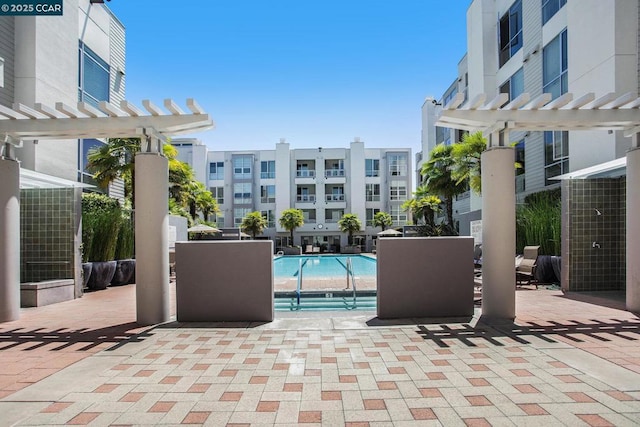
{"x":525,"y":270}
{"x":308,"y":249}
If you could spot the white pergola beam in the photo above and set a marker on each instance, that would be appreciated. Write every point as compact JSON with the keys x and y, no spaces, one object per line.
{"x":603,"y":100}
{"x":559,"y":102}
{"x":620,"y":101}
{"x":193,"y":106}
{"x":10,"y":113}
{"x":539,"y":101}
{"x":130,"y":108}
{"x":89,"y":110}
{"x":518,"y":102}
{"x":580,"y":102}
{"x":172,"y":107}
{"x":496,"y":102}
{"x":68,"y":111}
{"x":476,"y":102}
{"x":47,"y":111}
{"x":153,"y":109}
{"x":28,"y":112}
{"x":457,"y":100}
{"x":110,"y":110}
{"x":629,"y":132}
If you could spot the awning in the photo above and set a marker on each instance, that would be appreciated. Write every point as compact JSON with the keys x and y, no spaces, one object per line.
{"x":30,"y":179}
{"x":613,"y":169}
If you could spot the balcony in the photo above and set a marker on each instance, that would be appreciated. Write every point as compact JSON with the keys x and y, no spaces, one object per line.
{"x":334,"y":198}
{"x":334,"y":173}
{"x":306,"y":198}
{"x":304,"y":173}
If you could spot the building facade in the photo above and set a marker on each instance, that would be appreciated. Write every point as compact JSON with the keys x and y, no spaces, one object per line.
{"x":544,"y":46}
{"x":76,"y":57}
{"x":324,"y":183}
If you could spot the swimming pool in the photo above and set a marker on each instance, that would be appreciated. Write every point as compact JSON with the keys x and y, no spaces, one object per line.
{"x":323,"y":266}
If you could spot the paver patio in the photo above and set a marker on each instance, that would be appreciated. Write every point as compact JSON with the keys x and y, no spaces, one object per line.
{"x":568,"y":360}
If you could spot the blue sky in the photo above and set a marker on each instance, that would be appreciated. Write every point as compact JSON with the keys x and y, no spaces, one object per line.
{"x":317,"y":73}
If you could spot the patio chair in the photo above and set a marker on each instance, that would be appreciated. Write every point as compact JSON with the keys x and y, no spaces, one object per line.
{"x":308,"y":249}
{"x":525,"y":270}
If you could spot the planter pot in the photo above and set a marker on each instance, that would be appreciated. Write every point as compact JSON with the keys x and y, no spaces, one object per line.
{"x":548,"y":269}
{"x":292,"y":250}
{"x":101,"y":274}
{"x":125,"y":272}
{"x":87,"y":267}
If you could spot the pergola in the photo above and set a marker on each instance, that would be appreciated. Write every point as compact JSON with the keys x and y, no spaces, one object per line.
{"x":153,"y":126}
{"x":496,"y":118}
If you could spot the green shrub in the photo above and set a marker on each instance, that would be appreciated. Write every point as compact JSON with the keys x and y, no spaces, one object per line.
{"x":538,"y":222}
{"x":126,"y":236}
{"x":101,"y":220}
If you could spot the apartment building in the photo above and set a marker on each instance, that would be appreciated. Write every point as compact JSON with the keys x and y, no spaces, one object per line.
{"x":325,"y":183}
{"x":78,"y":56}
{"x":543,"y":46}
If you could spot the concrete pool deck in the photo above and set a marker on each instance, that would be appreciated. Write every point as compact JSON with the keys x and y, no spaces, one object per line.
{"x":568,"y":360}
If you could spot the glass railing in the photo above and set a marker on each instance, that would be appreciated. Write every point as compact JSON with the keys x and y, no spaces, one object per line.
{"x":329,"y":173}
{"x":305,"y":173}
{"x":306,"y":198}
{"x":335,"y":197}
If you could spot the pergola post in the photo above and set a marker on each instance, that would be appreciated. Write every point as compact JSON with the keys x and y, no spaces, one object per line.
{"x":152,"y":233}
{"x":498,"y":231}
{"x":9,"y":237}
{"x":633,"y":226}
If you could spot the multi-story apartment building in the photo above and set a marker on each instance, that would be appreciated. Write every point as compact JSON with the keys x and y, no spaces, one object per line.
{"x":325,"y":183}
{"x":78,"y":56}
{"x":544,"y":46}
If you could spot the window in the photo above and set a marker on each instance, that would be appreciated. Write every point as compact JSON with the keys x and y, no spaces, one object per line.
{"x":268,"y":169}
{"x":306,"y":194}
{"x":554,"y":66}
{"x":242,"y":193}
{"x":510,"y":32}
{"x":397,"y":164}
{"x":514,"y":86}
{"x":335,"y":193}
{"x":93,"y":77}
{"x":371,"y":212}
{"x":334,"y":168}
{"x":333,"y":215}
{"x":309,"y":216}
{"x":270,"y":216}
{"x":218,"y":194}
{"x":373,"y":192}
{"x":550,"y":8}
{"x":398,"y":216}
{"x":398,"y":190}
{"x":242,"y":167}
{"x":555,"y":82}
{"x":556,"y":155}
{"x":239,"y":214}
{"x":216,"y":170}
{"x":84,"y":147}
{"x":372,"y":167}
{"x":267,"y":193}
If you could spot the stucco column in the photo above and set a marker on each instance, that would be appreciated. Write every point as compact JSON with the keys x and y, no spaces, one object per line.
{"x":152,"y":234}
{"x":498,"y":233}
{"x":633,"y":227}
{"x":9,"y":240}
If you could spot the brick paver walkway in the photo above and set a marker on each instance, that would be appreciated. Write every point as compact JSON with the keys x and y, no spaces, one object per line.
{"x":566,"y":361}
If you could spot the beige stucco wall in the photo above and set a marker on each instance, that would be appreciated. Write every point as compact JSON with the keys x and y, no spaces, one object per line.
{"x":227,"y":280}
{"x":425,"y":277}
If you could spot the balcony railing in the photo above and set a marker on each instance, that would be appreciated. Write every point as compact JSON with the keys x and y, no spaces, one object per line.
{"x":335,"y":197}
{"x":305,"y":173}
{"x":306,"y":198}
{"x":332,"y":220}
{"x":332,"y":173}
{"x":267,"y":200}
{"x":373,"y":198}
{"x":267,"y":175}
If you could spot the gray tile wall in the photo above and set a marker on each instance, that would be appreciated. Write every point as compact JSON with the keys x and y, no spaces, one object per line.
{"x":596,"y":214}
{"x":47,"y":232}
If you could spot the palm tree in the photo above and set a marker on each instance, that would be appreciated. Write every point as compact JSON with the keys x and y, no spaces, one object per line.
{"x":437,"y":173}
{"x":254,"y":223}
{"x":291,"y":219}
{"x":207,"y":204}
{"x":423,"y":207}
{"x":349,"y":223}
{"x":382,"y":220}
{"x":115,"y":160}
{"x":466,"y":155}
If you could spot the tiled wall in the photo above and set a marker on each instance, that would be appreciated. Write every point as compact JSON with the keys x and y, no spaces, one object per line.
{"x":595,"y":211}
{"x":47,"y":224}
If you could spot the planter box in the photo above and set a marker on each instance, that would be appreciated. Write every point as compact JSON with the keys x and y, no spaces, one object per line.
{"x":225,"y":280}
{"x":48,"y":292}
{"x":425,"y":277}
{"x":351,"y":250}
{"x":289,"y":250}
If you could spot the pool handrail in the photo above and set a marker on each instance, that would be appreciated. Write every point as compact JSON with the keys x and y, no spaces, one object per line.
{"x":353,"y":279}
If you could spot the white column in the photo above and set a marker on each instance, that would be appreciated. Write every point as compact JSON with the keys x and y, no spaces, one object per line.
{"x":152,"y":233}
{"x":633,"y":227}
{"x":498,"y":233}
{"x":9,"y":240}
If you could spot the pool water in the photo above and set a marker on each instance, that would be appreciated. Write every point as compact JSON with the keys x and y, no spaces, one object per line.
{"x":323,"y":266}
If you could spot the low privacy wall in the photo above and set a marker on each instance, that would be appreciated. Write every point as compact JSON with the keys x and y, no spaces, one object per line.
{"x":425,"y":277}
{"x":224,"y":281}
